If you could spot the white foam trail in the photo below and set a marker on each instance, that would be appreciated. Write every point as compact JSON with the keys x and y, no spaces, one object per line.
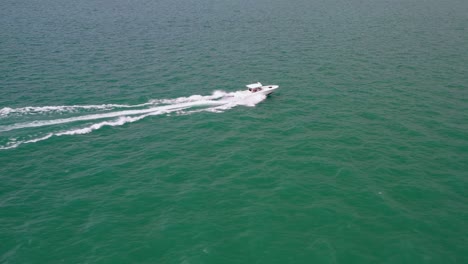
{"x":79,"y":131}
{"x":218,"y":102}
{"x":42,"y":123}
{"x":6,"y":111}
{"x":239,"y":98}
{"x":17,"y":143}
{"x":120,"y":121}
{"x":216,"y":95}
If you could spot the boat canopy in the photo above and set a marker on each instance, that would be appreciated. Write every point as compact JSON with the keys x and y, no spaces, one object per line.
{"x":254,"y":85}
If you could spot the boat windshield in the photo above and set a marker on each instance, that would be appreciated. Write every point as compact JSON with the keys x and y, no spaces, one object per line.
{"x":254,"y":85}
{"x":253,"y":90}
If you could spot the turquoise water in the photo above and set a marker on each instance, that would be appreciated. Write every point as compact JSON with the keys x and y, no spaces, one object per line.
{"x":124,"y":138}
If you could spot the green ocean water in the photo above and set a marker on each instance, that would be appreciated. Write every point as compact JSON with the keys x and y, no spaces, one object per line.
{"x":123,"y":138}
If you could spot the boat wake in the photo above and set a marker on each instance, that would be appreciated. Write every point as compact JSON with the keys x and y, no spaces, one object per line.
{"x":33,"y":124}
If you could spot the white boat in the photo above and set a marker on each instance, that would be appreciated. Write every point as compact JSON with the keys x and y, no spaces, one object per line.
{"x":262,"y":89}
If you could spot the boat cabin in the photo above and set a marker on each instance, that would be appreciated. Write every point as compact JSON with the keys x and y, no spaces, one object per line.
{"x":254,"y":87}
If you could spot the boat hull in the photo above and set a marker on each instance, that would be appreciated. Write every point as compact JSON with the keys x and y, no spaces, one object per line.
{"x":269,"y":89}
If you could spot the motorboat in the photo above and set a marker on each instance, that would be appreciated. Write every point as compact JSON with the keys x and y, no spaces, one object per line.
{"x":261,"y":89}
